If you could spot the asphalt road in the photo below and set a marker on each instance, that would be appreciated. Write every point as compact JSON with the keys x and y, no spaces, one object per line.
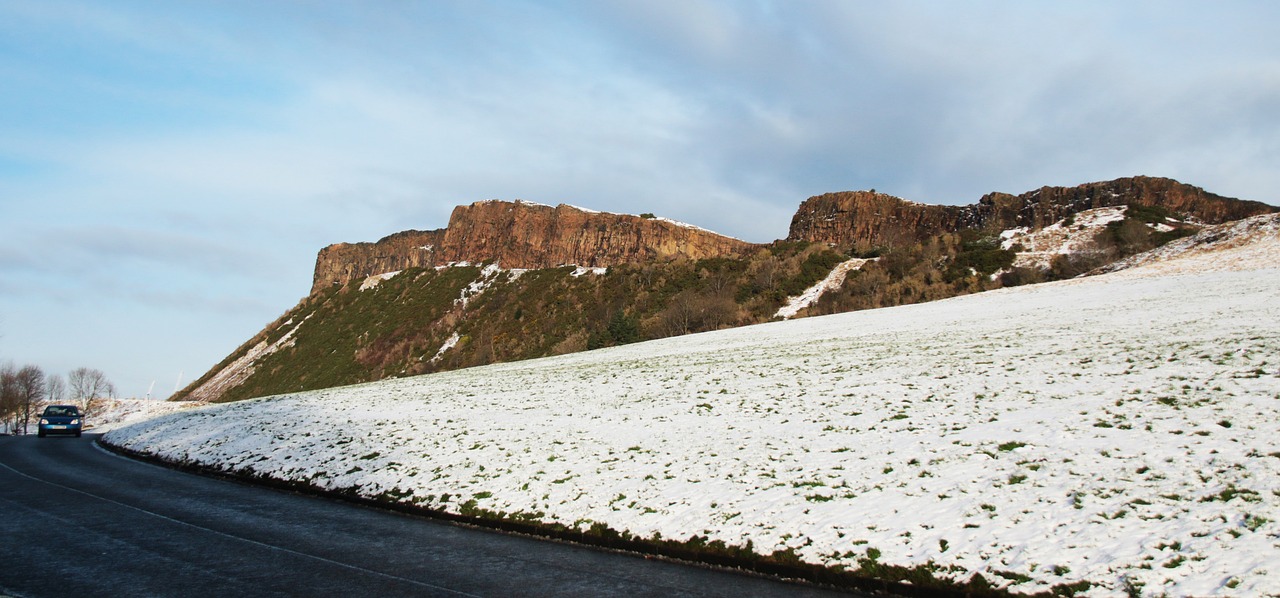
{"x":77,"y":520}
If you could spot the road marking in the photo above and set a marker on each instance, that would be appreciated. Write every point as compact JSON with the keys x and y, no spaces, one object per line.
{"x":246,"y":540}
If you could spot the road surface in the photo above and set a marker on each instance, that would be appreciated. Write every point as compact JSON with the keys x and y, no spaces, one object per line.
{"x":77,"y":520}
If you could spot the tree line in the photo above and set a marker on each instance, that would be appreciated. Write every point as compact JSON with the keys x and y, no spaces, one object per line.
{"x":24,"y":391}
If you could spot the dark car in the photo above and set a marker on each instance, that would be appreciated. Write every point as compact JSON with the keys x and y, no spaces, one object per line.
{"x":60,"y":419}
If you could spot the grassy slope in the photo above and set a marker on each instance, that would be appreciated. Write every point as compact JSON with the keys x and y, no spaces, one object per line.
{"x":348,"y":335}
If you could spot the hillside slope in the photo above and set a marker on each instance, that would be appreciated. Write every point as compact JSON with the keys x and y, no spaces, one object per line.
{"x":1114,"y":433}
{"x":490,"y":287}
{"x":431,"y":319}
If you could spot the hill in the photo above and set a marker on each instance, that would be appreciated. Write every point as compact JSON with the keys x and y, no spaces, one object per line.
{"x":507,"y":281}
{"x":1111,"y":434}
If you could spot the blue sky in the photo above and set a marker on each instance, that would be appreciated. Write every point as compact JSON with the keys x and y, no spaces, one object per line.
{"x":168,"y":170}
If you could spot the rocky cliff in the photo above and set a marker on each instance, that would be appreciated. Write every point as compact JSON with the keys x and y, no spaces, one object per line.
{"x":524,"y":235}
{"x":865,"y":219}
{"x":342,"y":262}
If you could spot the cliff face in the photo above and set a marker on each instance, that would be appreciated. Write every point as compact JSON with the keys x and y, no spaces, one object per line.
{"x":864,"y":219}
{"x":868,"y":219}
{"x":524,"y":235}
{"x":342,"y":262}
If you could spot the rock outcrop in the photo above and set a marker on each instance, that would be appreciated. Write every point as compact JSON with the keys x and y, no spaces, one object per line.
{"x":343,"y":262}
{"x":527,"y":235}
{"x":524,"y":235}
{"x":865,"y":219}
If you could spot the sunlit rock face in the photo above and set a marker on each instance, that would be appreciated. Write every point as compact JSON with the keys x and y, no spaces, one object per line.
{"x":865,"y":219}
{"x":524,"y":235}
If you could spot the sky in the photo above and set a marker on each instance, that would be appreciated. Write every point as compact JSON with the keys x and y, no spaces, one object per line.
{"x":169,"y":170}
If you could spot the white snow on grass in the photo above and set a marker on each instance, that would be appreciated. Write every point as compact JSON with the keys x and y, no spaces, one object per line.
{"x":1039,"y":247}
{"x":833,"y":281}
{"x":1249,"y":243}
{"x":1119,"y":429}
{"x":108,"y":414}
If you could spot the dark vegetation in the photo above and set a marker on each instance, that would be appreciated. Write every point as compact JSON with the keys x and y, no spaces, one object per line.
{"x":344,"y":335}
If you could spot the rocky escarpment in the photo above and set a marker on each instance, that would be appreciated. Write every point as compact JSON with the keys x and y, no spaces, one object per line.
{"x":524,"y":235}
{"x":865,"y":219}
{"x":342,"y":262}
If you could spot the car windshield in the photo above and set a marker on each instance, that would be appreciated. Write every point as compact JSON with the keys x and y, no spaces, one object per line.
{"x":60,"y":411}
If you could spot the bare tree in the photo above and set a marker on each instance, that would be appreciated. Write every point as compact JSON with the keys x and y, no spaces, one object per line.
{"x":55,"y":389}
{"x":9,"y":397}
{"x":88,"y":385}
{"x":691,"y":312}
{"x":31,"y":392}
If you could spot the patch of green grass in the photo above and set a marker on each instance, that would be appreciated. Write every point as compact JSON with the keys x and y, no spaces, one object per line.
{"x":1231,"y":492}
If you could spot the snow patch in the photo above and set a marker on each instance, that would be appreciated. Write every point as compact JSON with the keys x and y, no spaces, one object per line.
{"x":832,"y":282}
{"x":1040,"y":247}
{"x":1247,"y":244}
{"x":583,"y":271}
{"x":373,"y":281}
{"x":488,"y":275}
{"x":449,"y":343}
{"x":108,"y":414}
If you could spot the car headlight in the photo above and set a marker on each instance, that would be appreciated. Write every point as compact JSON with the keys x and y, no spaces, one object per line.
{"x":44,"y":421}
{"x":75,"y":421}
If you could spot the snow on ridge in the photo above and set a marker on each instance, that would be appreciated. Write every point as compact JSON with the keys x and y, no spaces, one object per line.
{"x":833,"y":281}
{"x":692,"y":227}
{"x":1113,"y":429}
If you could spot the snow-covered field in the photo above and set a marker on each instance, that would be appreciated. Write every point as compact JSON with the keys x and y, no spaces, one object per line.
{"x":109,"y":414}
{"x":1120,"y":429}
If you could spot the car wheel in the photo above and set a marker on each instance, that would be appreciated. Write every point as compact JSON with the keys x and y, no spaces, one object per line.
{"x":77,"y":434}
{"x":39,"y":434}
